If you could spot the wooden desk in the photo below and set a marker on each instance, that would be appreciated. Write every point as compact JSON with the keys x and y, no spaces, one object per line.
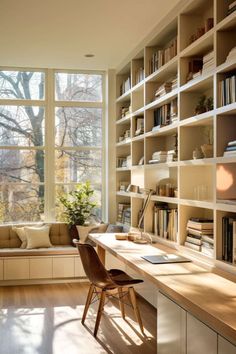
{"x":209,"y":297}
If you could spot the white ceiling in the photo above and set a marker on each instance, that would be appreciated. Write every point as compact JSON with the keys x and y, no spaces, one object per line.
{"x":57,"y":33}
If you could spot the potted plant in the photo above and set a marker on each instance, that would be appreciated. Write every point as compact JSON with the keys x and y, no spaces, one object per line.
{"x":78,"y":206}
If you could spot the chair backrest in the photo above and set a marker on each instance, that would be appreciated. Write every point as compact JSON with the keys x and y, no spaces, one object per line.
{"x":93,"y":267}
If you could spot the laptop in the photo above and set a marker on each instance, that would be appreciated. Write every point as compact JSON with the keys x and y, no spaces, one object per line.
{"x":166,"y":258}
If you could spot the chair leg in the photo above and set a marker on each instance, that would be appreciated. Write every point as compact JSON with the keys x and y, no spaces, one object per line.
{"x":135,"y":307}
{"x":122,"y":307}
{"x":100,"y":309}
{"x":88,"y":302}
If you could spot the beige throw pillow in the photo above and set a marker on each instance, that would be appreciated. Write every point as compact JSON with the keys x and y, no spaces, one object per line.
{"x":38,"y":237}
{"x":22,"y":236}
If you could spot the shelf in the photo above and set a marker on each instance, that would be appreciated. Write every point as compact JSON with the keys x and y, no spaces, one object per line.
{"x":124,"y":97}
{"x":198,"y":162}
{"x":167,"y":130}
{"x":162,"y":164}
{"x":226,"y":207}
{"x":163,"y":100}
{"x":226,"y":66}
{"x":228,"y":23}
{"x":137,"y":167}
{"x":201,"y":45}
{"x":164,"y":71}
{"x":124,"y":120}
{"x":197,"y":203}
{"x":157,"y":198}
{"x":124,"y":143}
{"x":139,"y":137}
{"x":123,"y":169}
{"x":201,"y":83}
{"x":228,"y":109}
{"x":138,"y":86}
{"x":200,"y":119}
{"x":224,"y":159}
{"x":138,"y":112}
{"x":123,"y":194}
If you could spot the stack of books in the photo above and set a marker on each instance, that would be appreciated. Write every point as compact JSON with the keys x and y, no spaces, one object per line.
{"x":230,"y":150}
{"x":121,"y":208}
{"x":163,"y":89}
{"x":158,"y":157}
{"x":228,"y":239}
{"x":125,"y":86}
{"x":227,"y":90}
{"x":171,"y":156}
{"x":208,"y":62}
{"x":231,"y":7}
{"x":174,"y":110}
{"x":165,"y":222}
{"x":200,"y":235}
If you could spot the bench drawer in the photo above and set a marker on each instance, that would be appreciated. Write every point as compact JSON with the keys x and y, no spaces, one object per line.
{"x":41,"y":268}
{"x":16,"y":269}
{"x":63,"y":267}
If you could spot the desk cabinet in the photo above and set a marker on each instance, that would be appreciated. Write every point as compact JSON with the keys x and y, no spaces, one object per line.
{"x":200,"y":338}
{"x":225,"y":347}
{"x":171,"y":327}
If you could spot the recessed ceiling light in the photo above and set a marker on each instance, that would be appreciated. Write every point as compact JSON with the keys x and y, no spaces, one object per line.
{"x":89,"y":55}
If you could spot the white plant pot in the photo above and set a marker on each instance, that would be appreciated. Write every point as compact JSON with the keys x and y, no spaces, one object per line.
{"x":83,"y":231}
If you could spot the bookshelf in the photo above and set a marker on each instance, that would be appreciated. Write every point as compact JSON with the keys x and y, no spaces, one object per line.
{"x":194,"y":52}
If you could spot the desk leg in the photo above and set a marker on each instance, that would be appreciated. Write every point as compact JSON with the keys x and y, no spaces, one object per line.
{"x":101,"y":254}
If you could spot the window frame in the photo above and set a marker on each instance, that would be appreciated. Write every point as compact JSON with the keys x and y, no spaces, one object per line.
{"x":50,"y":104}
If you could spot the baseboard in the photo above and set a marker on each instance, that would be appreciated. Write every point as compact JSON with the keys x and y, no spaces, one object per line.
{"x":42,"y":281}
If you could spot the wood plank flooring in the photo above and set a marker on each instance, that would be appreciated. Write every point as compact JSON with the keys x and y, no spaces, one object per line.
{"x":46,"y":319}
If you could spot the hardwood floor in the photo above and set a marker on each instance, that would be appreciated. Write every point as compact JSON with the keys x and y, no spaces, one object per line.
{"x":46,"y":319}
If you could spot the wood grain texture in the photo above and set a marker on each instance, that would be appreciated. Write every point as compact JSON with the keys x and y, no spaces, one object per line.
{"x":208,"y":296}
{"x":46,"y":319}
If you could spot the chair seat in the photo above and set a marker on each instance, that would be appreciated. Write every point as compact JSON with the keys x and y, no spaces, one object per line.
{"x":121,"y":278}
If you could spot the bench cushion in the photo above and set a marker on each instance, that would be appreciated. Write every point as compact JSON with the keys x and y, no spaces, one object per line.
{"x":59,"y":235}
{"x":52,"y":251}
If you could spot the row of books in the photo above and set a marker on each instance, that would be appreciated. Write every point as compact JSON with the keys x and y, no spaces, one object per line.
{"x":208,"y":62}
{"x":162,"y":56}
{"x":200,"y":235}
{"x":166,"y":87}
{"x":124,"y":161}
{"x":230,"y":150}
{"x":139,"y":75}
{"x":227,"y":90}
{"x":124,"y":213}
{"x":165,"y":114}
{"x":231,"y":7}
{"x":228,"y":239}
{"x":165,"y":222}
{"x":125,"y":86}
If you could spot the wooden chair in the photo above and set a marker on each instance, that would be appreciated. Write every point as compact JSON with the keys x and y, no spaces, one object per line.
{"x":106,"y":282}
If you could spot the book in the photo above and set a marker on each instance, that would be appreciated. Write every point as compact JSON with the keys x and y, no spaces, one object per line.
{"x":193,"y":240}
{"x":192,"y":246}
{"x":200,"y":225}
{"x":208,"y":239}
{"x":232,"y":5}
{"x":199,"y":232}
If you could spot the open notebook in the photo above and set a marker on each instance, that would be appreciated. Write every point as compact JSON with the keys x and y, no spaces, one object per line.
{"x":166,"y":258}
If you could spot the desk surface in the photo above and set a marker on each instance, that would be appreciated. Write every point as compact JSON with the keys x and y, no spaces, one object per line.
{"x":209,"y":297}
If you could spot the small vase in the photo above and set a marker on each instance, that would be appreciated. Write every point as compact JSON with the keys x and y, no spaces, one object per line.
{"x":207,"y":150}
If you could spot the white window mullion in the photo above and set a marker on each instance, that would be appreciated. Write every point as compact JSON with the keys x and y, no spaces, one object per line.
{"x":49,"y":149}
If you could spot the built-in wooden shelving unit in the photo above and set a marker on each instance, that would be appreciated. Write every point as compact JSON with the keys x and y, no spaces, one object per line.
{"x":201,"y":35}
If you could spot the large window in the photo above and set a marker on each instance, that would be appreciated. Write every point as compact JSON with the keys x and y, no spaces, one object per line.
{"x":50,"y":139}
